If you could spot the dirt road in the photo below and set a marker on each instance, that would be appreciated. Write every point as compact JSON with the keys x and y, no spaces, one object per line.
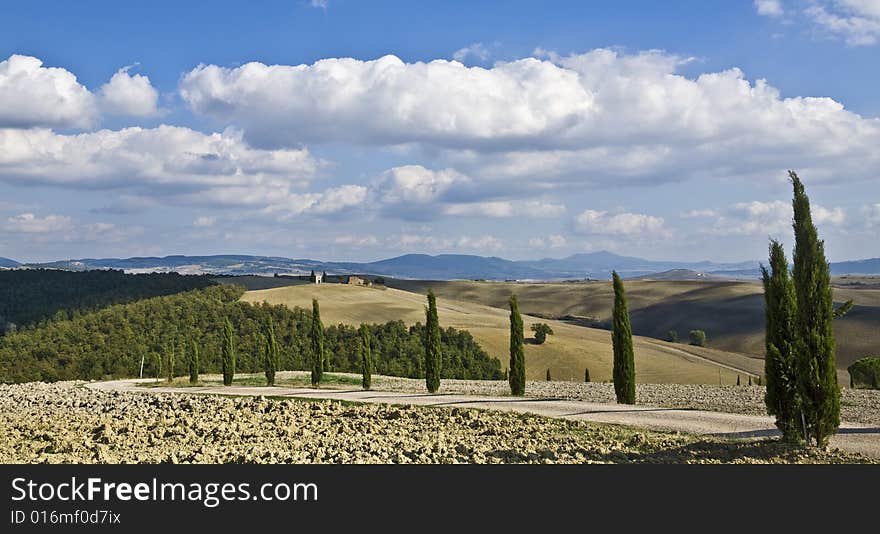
{"x":864,"y":439}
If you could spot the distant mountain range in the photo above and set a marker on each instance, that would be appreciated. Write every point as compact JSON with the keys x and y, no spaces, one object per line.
{"x":595,"y":265}
{"x":6,"y":262}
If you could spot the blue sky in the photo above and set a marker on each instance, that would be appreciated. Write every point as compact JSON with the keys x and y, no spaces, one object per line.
{"x":359,"y":130}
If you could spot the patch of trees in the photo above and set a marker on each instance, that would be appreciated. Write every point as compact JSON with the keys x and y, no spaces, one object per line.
{"x":28,"y":296}
{"x":114,"y":341}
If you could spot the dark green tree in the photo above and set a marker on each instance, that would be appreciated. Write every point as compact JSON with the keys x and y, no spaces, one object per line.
{"x":813,"y":323}
{"x":621,"y":338}
{"x":366,"y":357}
{"x":698,"y":338}
{"x":672,"y":336}
{"x":517,"y":376}
{"x":270,"y":355}
{"x":228,"y":354}
{"x":587,"y":374}
{"x":193,"y":363}
{"x":317,"y":341}
{"x":548,"y":375}
{"x":169,"y":363}
{"x":541,"y":330}
{"x":782,"y":396}
{"x":433,"y":356}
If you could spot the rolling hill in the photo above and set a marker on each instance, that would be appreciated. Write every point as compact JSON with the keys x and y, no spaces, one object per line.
{"x":731,"y":313}
{"x":566,"y":353}
{"x":6,"y":262}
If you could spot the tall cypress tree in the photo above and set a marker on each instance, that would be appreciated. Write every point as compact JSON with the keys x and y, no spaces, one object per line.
{"x":270,"y":356}
{"x":193,"y":362}
{"x":169,"y":363}
{"x":782,"y":395}
{"x":366,"y":357}
{"x":621,"y":338}
{"x":317,"y":339}
{"x":228,"y":355}
{"x":517,"y":375}
{"x":813,"y":323}
{"x":433,"y":356}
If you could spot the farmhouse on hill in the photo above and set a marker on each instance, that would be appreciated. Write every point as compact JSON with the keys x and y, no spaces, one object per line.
{"x":316,"y":278}
{"x":357,"y":281}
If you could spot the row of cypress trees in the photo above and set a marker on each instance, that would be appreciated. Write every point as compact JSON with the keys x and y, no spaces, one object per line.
{"x":622,"y":346}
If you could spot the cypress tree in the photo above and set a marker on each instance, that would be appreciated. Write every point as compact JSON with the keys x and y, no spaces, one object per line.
{"x":621,"y":338}
{"x":169,"y":364}
{"x":548,"y":374}
{"x":317,"y":339}
{"x":517,"y":377}
{"x":782,"y":396}
{"x":270,"y":357}
{"x":193,"y":362}
{"x":813,"y":323}
{"x":433,"y":356}
{"x":587,"y":374}
{"x":366,"y":357}
{"x":228,"y":355}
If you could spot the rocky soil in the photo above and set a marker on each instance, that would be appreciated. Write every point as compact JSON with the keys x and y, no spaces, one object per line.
{"x":64,"y":422}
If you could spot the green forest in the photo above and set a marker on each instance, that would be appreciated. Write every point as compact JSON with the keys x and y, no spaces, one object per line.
{"x":114,"y":341}
{"x":28,"y":296}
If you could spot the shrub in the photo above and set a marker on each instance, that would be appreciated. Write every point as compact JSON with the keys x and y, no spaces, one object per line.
{"x":865,"y":372}
{"x":541,"y":330}
{"x":672,"y":336}
{"x":698,"y":338}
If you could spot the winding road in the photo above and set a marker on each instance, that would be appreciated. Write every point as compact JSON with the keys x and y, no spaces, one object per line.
{"x":854,"y":438}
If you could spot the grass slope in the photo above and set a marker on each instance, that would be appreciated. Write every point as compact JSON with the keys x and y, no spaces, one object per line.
{"x":566,"y":353}
{"x":731,"y":313}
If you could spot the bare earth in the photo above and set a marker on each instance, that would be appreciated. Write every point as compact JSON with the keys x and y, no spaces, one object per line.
{"x":852,"y":438}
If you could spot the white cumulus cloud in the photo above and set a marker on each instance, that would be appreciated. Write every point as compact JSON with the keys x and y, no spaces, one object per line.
{"x":599,"y":117}
{"x":768,"y":218}
{"x":475,"y":50}
{"x":605,"y":223}
{"x":856,"y":21}
{"x":34,"y":95}
{"x":29,"y":223}
{"x":131,"y":95}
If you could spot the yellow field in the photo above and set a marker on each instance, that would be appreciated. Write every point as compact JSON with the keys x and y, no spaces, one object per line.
{"x":566,"y":353}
